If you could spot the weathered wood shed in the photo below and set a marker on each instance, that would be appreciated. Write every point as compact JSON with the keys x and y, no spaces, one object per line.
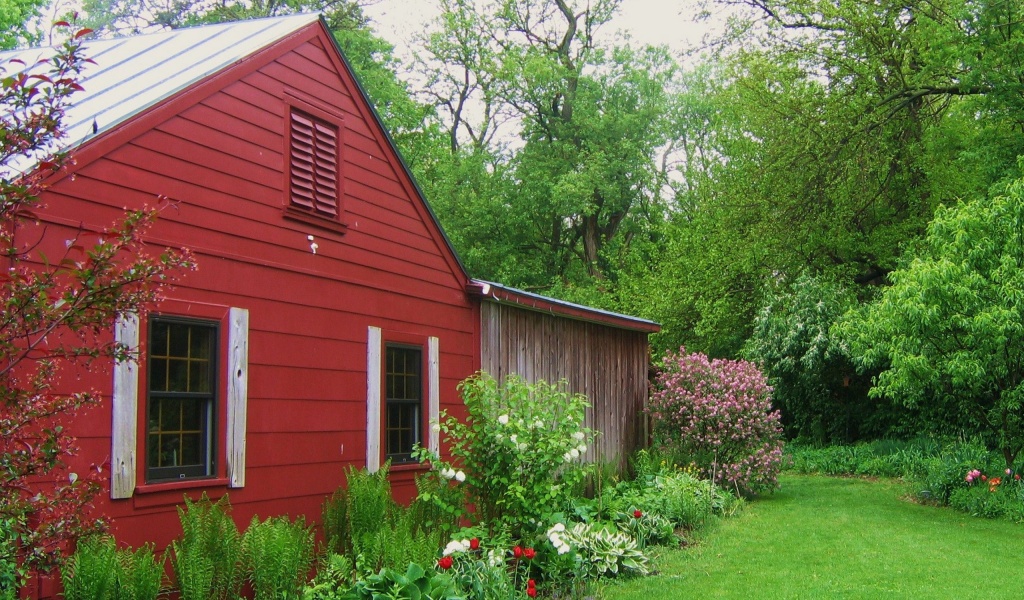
{"x":601,"y":354}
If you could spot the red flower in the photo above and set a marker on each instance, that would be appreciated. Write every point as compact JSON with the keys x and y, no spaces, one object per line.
{"x":474,"y":544}
{"x":983,"y":478}
{"x":529,"y":553}
{"x":531,"y":592}
{"x":637,"y":514}
{"x":517,"y":552}
{"x":1017,"y":476}
{"x":445,"y":562}
{"x":531,"y":583}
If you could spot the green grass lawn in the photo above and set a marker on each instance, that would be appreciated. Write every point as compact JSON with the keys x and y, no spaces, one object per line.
{"x":821,"y":537}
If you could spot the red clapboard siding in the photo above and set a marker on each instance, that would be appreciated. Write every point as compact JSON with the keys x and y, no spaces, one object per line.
{"x":218,"y":152}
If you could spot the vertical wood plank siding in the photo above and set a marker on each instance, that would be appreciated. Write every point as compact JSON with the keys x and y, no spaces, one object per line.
{"x":607,"y":364}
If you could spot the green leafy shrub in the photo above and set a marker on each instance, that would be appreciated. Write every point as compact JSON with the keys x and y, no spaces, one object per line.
{"x":717,"y":414}
{"x":206,"y":561}
{"x":518,"y":450}
{"x":816,"y":386}
{"x":12,"y":575}
{"x":439,"y":503}
{"x":98,"y":570}
{"x":278,"y":555}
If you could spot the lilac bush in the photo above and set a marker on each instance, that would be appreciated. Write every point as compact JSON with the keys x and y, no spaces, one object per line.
{"x":718,"y":415}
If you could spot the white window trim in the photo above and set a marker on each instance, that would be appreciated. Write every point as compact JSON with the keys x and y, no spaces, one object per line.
{"x":125,"y":405}
{"x":374,"y":397}
{"x":125,"y":411}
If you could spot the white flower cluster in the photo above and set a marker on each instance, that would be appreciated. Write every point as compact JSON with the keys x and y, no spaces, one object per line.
{"x":495,"y":558}
{"x":450,"y":473}
{"x":576,"y":452}
{"x":503,"y":419}
{"x":555,"y":537}
{"x":456,"y":546}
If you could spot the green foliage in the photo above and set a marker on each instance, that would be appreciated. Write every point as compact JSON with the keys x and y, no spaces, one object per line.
{"x":334,"y":519}
{"x":520,"y":446}
{"x":207,"y":560}
{"x":815,"y":385}
{"x":415,"y":583}
{"x":99,"y":571}
{"x":12,"y":575}
{"x":948,"y":333}
{"x":364,"y":523}
{"x":439,"y":504}
{"x":605,"y":553}
{"x":277,"y":555}
{"x":90,"y":573}
{"x":333,"y":578}
{"x":665,"y":493}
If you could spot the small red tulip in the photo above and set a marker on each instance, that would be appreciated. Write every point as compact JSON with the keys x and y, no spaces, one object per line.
{"x":517,"y":552}
{"x":531,"y":583}
{"x":983,"y":478}
{"x":531,"y":592}
{"x":474,"y":544}
{"x":637,"y":514}
{"x":1017,"y":476}
{"x":445,"y":562}
{"x":529,"y":553}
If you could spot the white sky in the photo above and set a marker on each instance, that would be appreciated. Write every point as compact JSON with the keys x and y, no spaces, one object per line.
{"x":648,"y":21}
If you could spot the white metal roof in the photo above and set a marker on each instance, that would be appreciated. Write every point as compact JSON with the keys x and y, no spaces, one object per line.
{"x":134,"y":73}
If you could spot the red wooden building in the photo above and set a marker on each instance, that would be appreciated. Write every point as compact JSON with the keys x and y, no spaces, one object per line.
{"x":329,"y":319}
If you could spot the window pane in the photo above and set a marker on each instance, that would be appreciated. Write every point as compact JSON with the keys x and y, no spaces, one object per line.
{"x":177,"y":376}
{"x":170,"y":415}
{"x":178,"y":333}
{"x":199,"y":376}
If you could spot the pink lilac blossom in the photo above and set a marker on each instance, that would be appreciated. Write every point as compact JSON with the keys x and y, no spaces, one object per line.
{"x":719,"y":414}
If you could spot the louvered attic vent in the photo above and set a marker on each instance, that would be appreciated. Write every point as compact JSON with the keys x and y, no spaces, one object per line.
{"x":314,"y":165}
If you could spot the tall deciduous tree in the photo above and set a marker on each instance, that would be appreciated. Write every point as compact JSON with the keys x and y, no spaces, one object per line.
{"x":567,"y":129}
{"x":58,"y":314}
{"x":950,"y":329}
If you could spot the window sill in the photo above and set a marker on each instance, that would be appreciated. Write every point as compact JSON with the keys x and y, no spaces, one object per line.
{"x":159,"y":494}
{"x":294,"y":214}
{"x":409,"y":467}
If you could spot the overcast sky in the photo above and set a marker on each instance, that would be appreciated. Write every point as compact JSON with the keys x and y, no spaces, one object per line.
{"x":648,"y":21}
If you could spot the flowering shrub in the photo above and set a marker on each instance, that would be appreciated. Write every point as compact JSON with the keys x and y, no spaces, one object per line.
{"x":517,"y":451}
{"x":718,"y":414}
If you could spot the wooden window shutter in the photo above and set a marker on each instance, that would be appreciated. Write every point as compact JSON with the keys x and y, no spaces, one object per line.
{"x":238,"y":394}
{"x":124,"y":425}
{"x":314,"y":164}
{"x":374,"y":347}
{"x":433,"y":393}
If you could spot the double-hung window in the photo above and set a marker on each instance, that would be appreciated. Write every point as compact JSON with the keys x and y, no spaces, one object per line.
{"x":402,"y":396}
{"x":403,"y":420}
{"x":182,"y":399}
